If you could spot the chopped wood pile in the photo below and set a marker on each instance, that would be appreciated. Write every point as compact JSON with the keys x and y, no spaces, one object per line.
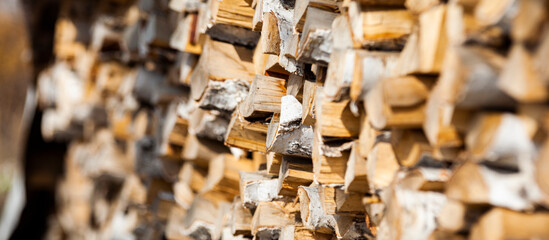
{"x":301,"y":119}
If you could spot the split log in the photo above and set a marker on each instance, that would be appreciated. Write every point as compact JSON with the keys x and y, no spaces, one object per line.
{"x":335,"y":119}
{"x":294,"y":172}
{"x":301,"y":9}
{"x":425,"y":179}
{"x":382,"y":165}
{"x":269,"y":219}
{"x":241,"y":218}
{"x":330,"y":160}
{"x":390,"y":106}
{"x":503,"y":223}
{"x":256,"y":188}
{"x":271,"y":38}
{"x":274,"y":160}
{"x":315,"y":45}
{"x":478,"y":184}
{"x":223,"y":181}
{"x":356,"y":179}
{"x":520,"y":65}
{"x":425,"y":48}
{"x":245,"y":134}
{"x":223,"y":96}
{"x":292,"y":232}
{"x":336,"y":201}
{"x":263,"y":97}
{"x":183,"y":38}
{"x":286,"y":134}
{"x":220,"y":61}
{"x":411,"y":147}
{"x":501,"y":140}
{"x":411,"y":214}
{"x":380,"y":29}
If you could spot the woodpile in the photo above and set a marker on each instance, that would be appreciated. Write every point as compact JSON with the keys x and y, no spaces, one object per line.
{"x":283,"y":119}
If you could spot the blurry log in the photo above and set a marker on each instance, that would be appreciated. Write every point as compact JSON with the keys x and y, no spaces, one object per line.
{"x":477,"y":184}
{"x":403,"y":106}
{"x":241,"y":218}
{"x":382,"y":165}
{"x":502,"y":223}
{"x":380,"y":29}
{"x":356,"y":179}
{"x":223,"y":181}
{"x":425,"y":48}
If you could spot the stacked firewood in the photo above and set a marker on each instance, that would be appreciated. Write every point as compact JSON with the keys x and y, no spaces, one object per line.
{"x":314,"y":119}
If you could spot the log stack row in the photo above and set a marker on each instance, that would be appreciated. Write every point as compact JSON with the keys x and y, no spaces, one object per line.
{"x":309,"y":119}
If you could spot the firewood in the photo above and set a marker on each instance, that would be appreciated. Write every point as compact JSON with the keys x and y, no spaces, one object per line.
{"x":274,"y":160}
{"x":301,"y":9}
{"x":308,"y":101}
{"x":269,"y":219}
{"x":336,"y":201}
{"x":247,"y":135}
{"x":241,"y":218}
{"x":263,"y":97}
{"x":503,"y":223}
{"x":223,"y":96}
{"x":312,"y":212}
{"x":541,"y":164}
{"x":456,"y":216}
{"x":235,"y":12}
{"x":515,"y":187}
{"x":411,"y":147}
{"x":520,"y":65}
{"x":425,"y":179}
{"x":257,"y":20}
{"x":294,"y":172}
{"x":200,"y":220}
{"x":202,"y":150}
{"x":286,"y":134}
{"x":419,"y":6}
{"x":335,"y":119}
{"x":381,"y":165}
{"x":364,"y":75}
{"x":425,"y":47}
{"x":315,"y":218}
{"x":294,"y":86}
{"x":223,"y":179}
{"x":236,"y":64}
{"x":341,"y":33}
{"x":403,"y":108}
{"x":315,"y":44}
{"x":355,"y":175}
{"x":461,"y":66}
{"x":271,"y":40}
{"x":183,"y":38}
{"x":487,"y":139}
{"x":184,"y":5}
{"x":283,"y":119}
{"x":291,"y":232}
{"x":411,"y":214}
{"x":380,"y":29}
{"x":330,"y":160}
{"x":256,"y":188}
